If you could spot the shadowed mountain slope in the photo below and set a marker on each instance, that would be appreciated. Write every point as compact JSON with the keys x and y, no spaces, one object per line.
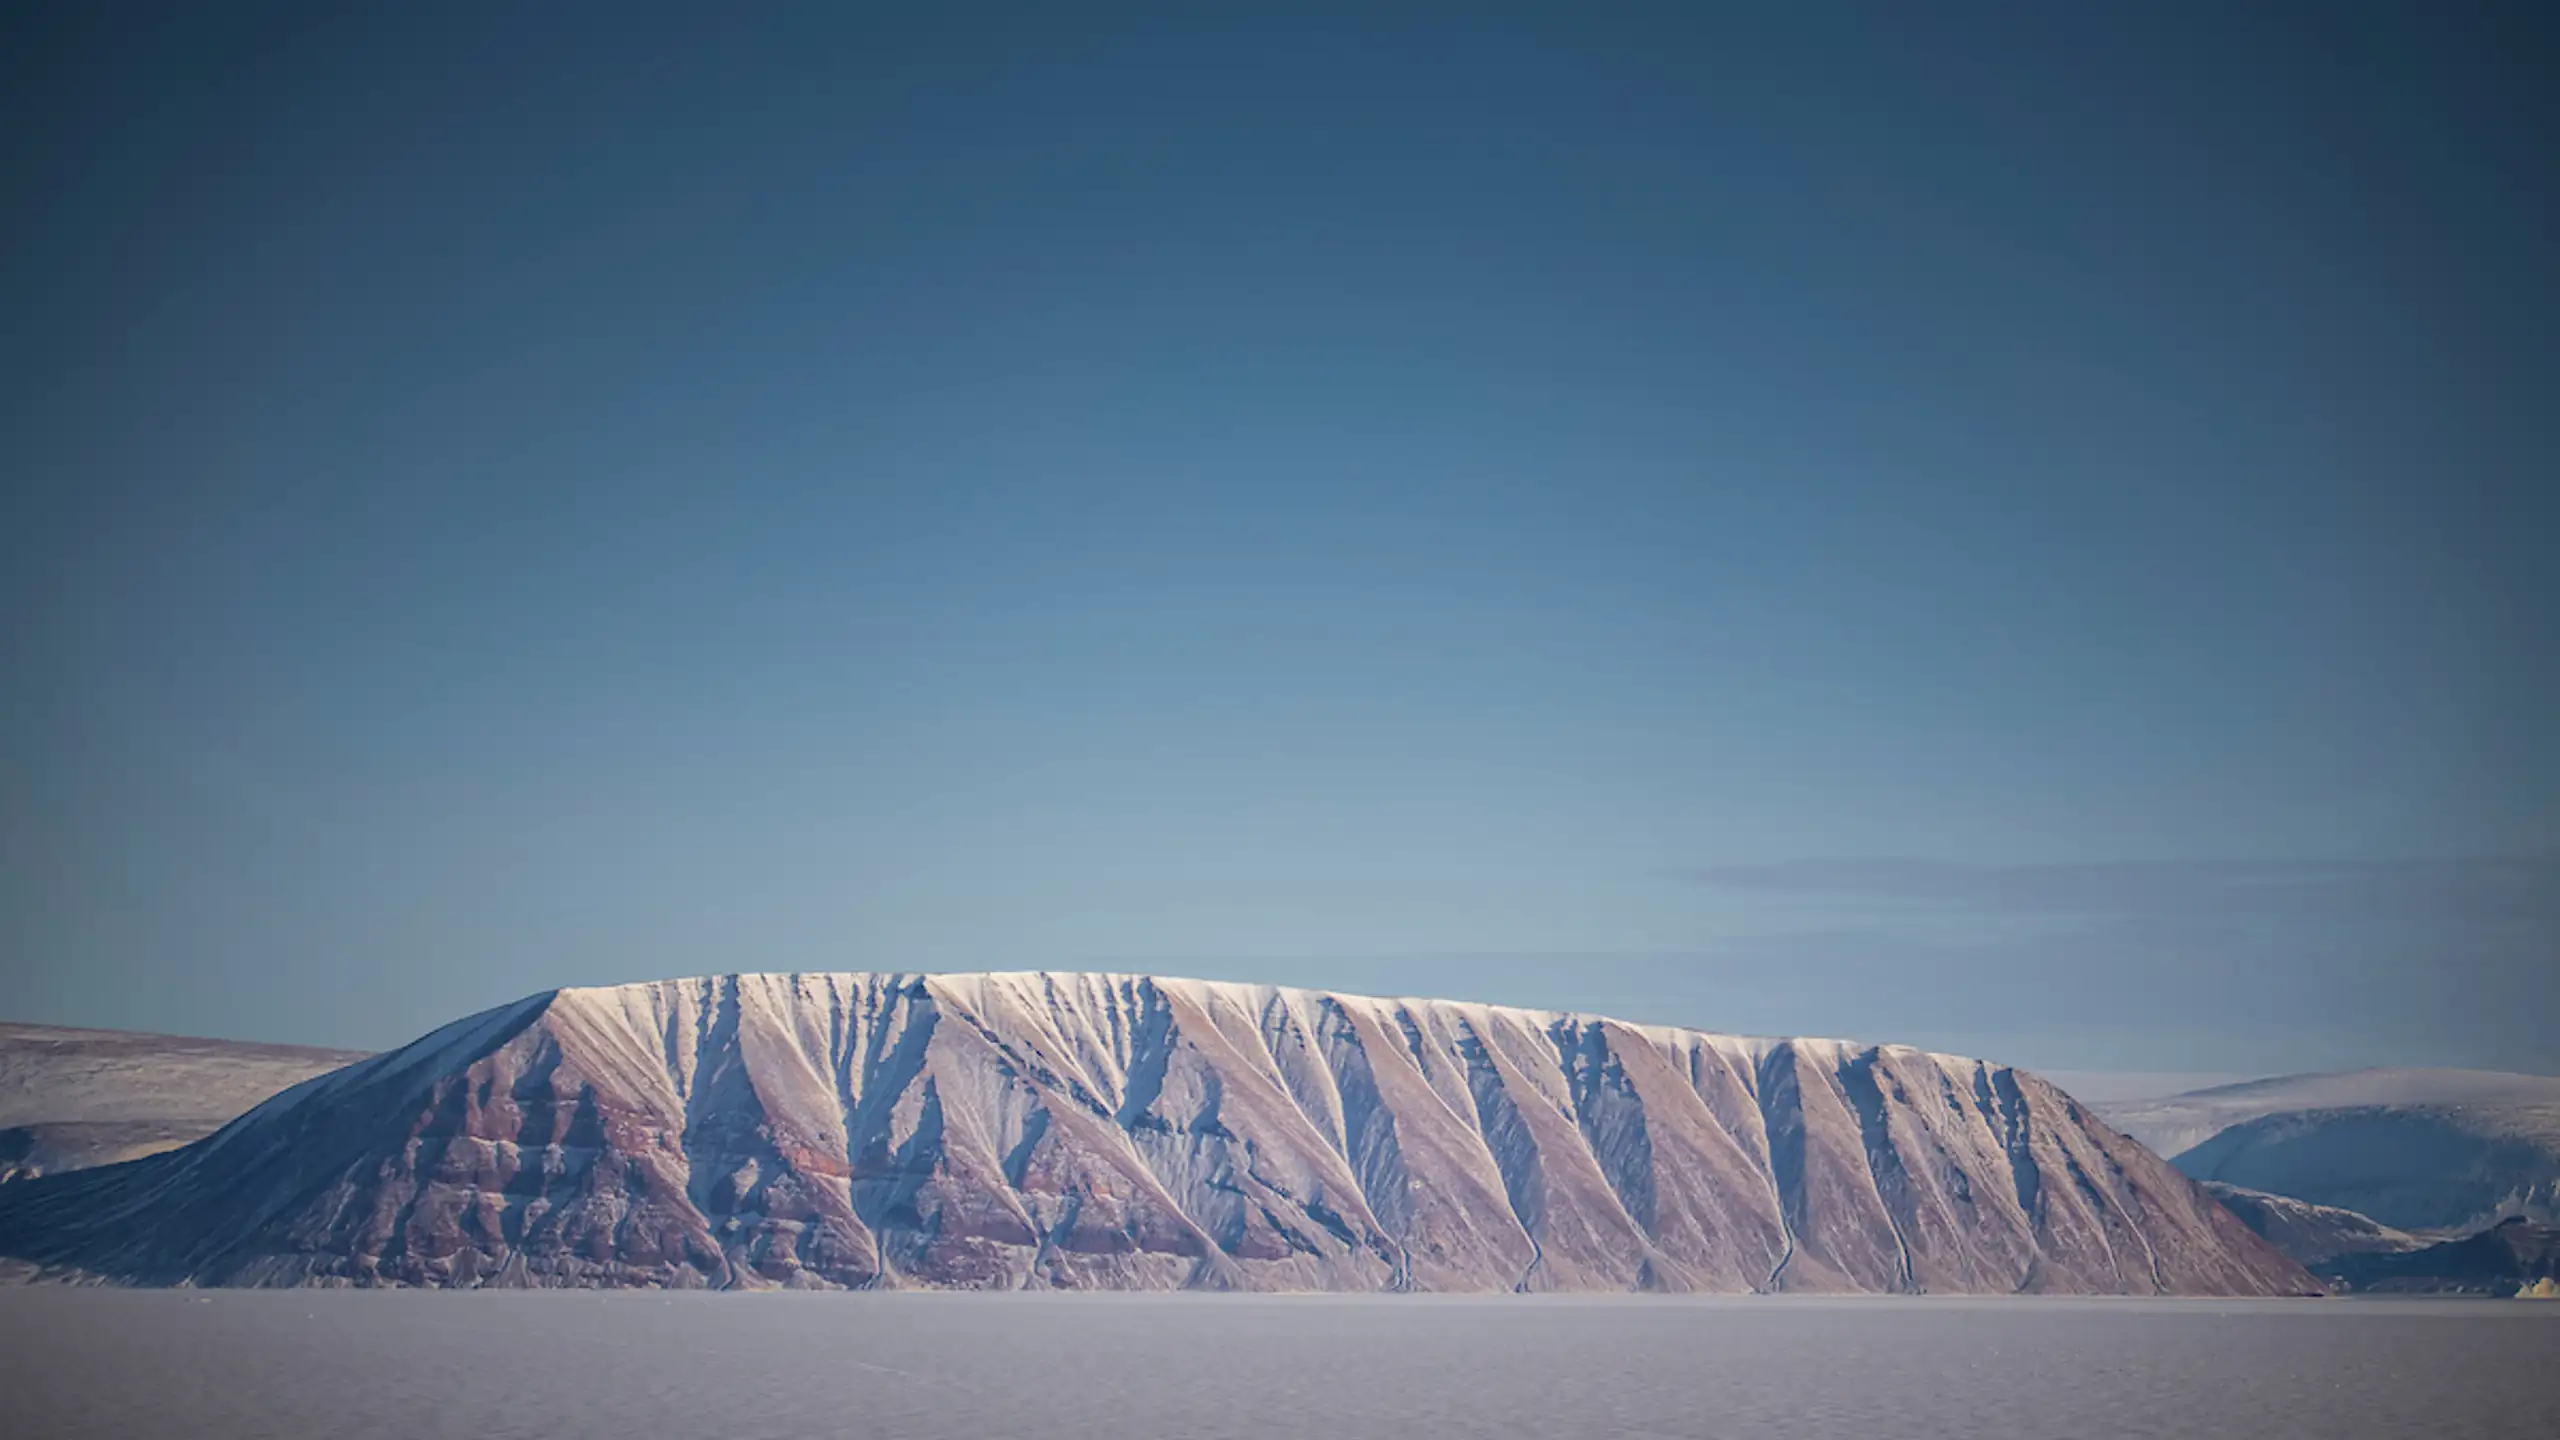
{"x":1104,"y":1131}
{"x":2505,"y":1258}
{"x":70,"y":1098}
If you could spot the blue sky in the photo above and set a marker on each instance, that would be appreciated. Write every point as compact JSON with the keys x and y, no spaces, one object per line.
{"x":1845,"y":520}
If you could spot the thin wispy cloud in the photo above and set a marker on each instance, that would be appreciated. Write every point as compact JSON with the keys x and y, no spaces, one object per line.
{"x":2481,"y":890}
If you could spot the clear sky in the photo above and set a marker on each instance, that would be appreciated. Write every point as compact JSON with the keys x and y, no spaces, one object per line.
{"x":2023,"y":529}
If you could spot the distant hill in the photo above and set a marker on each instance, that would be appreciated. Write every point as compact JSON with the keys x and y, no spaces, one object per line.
{"x":2417,"y":1150}
{"x":70,"y":1099}
{"x":2311,"y":1234}
{"x":1034,"y":1131}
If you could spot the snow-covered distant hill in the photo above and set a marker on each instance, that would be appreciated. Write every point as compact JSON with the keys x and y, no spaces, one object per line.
{"x":1024,"y":1130}
{"x":2421,"y":1150}
{"x":2174,"y":1123}
{"x":75,"y":1098}
{"x":2312,"y":1234}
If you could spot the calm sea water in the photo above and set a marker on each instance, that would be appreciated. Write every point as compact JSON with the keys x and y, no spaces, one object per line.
{"x":633,"y":1365}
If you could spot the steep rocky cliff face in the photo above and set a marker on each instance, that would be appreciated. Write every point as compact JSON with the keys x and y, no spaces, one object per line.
{"x":1097,"y":1131}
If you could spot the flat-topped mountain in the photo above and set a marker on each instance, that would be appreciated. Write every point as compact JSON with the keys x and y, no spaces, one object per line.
{"x":1110,"y":1131}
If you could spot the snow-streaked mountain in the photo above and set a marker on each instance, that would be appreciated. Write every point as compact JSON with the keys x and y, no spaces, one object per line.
{"x":74,"y":1098}
{"x":2445,"y":1150}
{"x":1035,"y":1130}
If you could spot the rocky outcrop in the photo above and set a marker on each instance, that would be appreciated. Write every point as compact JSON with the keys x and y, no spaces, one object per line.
{"x":1097,"y":1131}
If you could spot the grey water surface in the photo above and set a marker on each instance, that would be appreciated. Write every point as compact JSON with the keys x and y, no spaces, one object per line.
{"x":383,"y":1365}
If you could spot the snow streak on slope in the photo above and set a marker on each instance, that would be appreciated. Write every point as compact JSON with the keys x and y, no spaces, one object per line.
{"x":1114,"y":1131}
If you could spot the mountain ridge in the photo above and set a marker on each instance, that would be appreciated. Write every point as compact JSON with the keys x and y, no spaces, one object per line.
{"x":1079,"y":1130}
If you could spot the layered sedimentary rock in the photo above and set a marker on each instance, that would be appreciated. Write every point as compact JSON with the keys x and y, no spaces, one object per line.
{"x":1100,"y":1131}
